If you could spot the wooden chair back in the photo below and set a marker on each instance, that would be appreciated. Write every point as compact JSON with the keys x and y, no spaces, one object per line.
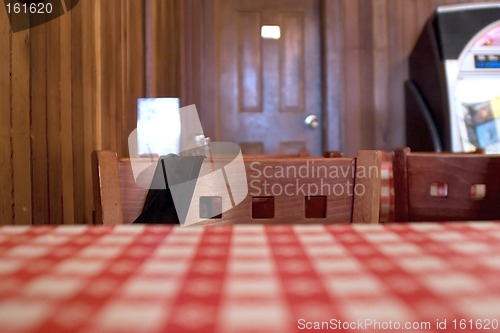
{"x":446,"y":186}
{"x":327,"y":190}
{"x":303,"y":153}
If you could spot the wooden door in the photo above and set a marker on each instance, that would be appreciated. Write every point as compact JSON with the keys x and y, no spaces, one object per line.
{"x":268,"y":87}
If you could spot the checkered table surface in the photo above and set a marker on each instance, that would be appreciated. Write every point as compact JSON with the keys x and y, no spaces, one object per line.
{"x":255,"y":278}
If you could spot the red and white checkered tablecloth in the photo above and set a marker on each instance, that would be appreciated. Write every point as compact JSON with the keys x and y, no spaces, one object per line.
{"x":387,"y":204}
{"x":242,"y":279}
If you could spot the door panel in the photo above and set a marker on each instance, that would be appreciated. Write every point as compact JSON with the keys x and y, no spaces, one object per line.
{"x":267,"y":87}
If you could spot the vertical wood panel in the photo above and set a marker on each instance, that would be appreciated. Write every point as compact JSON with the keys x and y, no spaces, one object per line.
{"x":163,"y":48}
{"x":98,"y":113}
{"x":66,"y":123}
{"x":170,"y":34}
{"x":21,"y":143}
{"x":208,"y":90}
{"x":187,"y":31}
{"x":38,"y":108}
{"x":77,"y":72}
{"x":366,"y":88}
{"x":292,"y":63}
{"x":135,"y":68}
{"x":118,"y":114}
{"x":6,"y":186}
{"x":410,"y":25}
{"x":249,"y":62}
{"x":122,"y":106}
{"x":109,"y":59}
{"x":191,"y":35}
{"x":67,"y":87}
{"x":381,"y":72}
{"x":54,"y":121}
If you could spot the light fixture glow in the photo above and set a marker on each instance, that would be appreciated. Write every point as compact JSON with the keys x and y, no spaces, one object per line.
{"x":270,"y":32}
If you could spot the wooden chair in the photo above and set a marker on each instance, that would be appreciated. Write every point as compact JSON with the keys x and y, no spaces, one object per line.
{"x":446,"y":186}
{"x":350,"y":190}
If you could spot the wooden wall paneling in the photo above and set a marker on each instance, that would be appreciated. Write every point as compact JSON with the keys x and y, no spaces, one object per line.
{"x":66,"y":142}
{"x":222,"y":14}
{"x":103,"y":65}
{"x":109,"y":59}
{"x":96,"y":24}
{"x":171,"y":74}
{"x":97,"y":70}
{"x":118,"y":111}
{"x":424,"y":9}
{"x":410,"y":26}
{"x":77,"y":72}
{"x":381,"y":70}
{"x":419,"y":12}
{"x":187,"y":45}
{"x":125,"y":109}
{"x":134,"y":62}
{"x":149,"y":46}
{"x":54,"y":175}
{"x":21,"y":117}
{"x":189,"y":13}
{"x":197,"y":55}
{"x":88,"y":101}
{"x":163,"y":48}
{"x":152,"y":46}
{"x":366,"y":88}
{"x":332,"y":59}
{"x":38,"y":109}
{"x":134,"y":66}
{"x":6,"y":186}
{"x":208,"y":69}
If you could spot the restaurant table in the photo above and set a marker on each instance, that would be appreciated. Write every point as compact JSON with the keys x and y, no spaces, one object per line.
{"x":251,"y":278}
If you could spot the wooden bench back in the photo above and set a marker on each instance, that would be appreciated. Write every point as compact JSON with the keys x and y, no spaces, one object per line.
{"x":304,"y":190}
{"x":446,"y":186}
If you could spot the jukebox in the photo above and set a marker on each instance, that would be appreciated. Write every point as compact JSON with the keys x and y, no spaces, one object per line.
{"x":453,"y":93}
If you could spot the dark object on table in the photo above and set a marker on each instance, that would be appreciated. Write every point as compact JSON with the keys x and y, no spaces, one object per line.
{"x":159,"y":206}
